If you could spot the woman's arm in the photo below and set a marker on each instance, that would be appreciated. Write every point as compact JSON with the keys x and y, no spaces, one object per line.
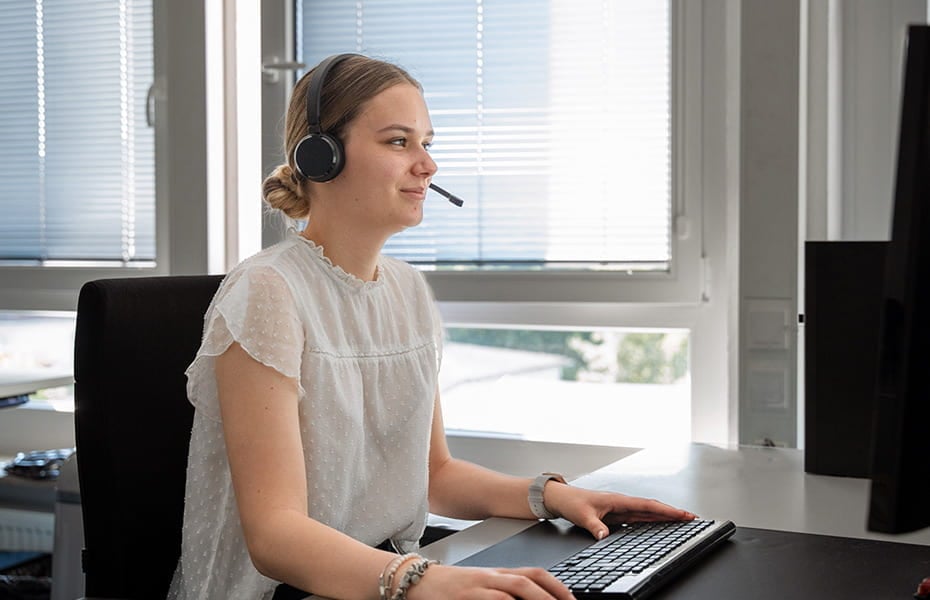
{"x":259,"y":410}
{"x":262,"y":433}
{"x":462,"y":490}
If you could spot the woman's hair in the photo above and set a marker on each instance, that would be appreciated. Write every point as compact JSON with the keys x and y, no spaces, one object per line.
{"x":349,"y":85}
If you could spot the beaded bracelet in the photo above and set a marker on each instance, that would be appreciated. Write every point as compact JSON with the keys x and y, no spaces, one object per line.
{"x":412,"y":576}
{"x":386,"y":578}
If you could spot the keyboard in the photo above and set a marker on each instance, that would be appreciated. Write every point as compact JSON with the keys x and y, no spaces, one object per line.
{"x":631,"y":563}
{"x":630,"y":551}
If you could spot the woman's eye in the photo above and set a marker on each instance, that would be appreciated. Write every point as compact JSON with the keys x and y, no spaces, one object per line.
{"x":403,"y":142}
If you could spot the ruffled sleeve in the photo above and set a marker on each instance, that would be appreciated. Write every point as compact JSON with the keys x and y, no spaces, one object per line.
{"x":255,"y":308}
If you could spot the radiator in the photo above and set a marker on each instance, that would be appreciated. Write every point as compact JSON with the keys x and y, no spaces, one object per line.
{"x":26,"y":530}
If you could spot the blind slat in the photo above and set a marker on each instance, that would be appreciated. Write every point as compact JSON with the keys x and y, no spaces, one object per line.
{"x":74,"y":82}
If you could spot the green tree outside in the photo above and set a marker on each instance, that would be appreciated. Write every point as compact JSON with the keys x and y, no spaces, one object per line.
{"x":607,"y":356}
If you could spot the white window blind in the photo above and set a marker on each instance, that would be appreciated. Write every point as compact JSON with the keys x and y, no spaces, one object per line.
{"x":77,"y":159}
{"x":552,"y":119}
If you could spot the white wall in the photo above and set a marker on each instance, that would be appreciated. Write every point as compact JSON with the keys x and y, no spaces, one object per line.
{"x":24,"y":428}
{"x":768,"y":229}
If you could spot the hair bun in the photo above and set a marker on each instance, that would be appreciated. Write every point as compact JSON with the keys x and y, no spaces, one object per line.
{"x":283,"y":190}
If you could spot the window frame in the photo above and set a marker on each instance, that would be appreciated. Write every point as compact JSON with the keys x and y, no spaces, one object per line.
{"x":181,"y":208}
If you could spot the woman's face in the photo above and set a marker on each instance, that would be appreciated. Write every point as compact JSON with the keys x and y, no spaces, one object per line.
{"x":388,"y":169}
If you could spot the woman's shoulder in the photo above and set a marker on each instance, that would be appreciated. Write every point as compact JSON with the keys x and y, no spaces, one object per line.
{"x":267,"y":268}
{"x":274,"y":258}
{"x":406,"y":280}
{"x":399,"y":268}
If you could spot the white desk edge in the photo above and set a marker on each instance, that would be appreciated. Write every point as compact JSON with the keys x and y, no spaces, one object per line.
{"x":17,"y":383}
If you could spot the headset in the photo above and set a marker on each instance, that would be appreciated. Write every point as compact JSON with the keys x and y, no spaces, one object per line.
{"x":319,"y":156}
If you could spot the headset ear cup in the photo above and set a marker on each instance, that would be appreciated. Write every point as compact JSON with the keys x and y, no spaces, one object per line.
{"x":319,"y":157}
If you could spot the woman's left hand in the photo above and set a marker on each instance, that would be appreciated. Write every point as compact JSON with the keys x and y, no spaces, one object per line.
{"x":594,"y":510}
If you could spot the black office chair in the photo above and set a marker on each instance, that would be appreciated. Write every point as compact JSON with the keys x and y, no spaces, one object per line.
{"x":133,"y":341}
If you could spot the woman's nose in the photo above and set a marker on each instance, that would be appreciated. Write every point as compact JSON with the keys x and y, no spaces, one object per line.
{"x":426,"y":165}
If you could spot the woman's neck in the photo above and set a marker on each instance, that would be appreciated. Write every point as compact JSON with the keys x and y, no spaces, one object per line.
{"x":347,"y":250}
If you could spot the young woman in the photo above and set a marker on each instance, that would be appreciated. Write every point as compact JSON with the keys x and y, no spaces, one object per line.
{"x":318,"y":445}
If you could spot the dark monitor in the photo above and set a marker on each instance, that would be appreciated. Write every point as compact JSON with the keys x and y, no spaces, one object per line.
{"x":900,"y":473}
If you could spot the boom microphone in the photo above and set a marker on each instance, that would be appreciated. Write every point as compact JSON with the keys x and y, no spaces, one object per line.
{"x":451,"y":197}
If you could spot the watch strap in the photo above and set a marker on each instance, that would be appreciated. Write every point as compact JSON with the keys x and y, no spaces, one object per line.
{"x":535,"y":497}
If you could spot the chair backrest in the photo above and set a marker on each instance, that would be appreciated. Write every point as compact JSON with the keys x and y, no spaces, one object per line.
{"x":134,"y":338}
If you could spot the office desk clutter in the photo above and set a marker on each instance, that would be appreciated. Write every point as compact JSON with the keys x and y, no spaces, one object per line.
{"x":27,"y":578}
{"x":9,"y":401}
{"x":38,"y":464}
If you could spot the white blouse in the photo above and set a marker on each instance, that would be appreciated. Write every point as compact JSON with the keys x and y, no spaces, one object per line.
{"x":366,"y":358}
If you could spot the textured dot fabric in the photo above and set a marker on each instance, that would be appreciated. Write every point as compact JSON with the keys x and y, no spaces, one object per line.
{"x":366,"y":359}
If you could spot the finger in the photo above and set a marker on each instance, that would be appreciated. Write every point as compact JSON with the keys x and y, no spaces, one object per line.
{"x":540,"y":576}
{"x":648,"y":506}
{"x":595,"y":525}
{"x":487,"y":595}
{"x":636,"y":517}
{"x":530,"y":583}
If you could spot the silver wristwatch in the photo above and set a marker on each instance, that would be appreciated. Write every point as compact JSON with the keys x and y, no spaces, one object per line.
{"x":537,"y":506}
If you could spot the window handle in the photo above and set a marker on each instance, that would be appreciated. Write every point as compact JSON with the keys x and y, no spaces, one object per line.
{"x":271,"y":70}
{"x":150,"y":106}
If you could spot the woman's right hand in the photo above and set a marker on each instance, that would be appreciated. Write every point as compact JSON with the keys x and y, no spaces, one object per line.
{"x":467,"y":583}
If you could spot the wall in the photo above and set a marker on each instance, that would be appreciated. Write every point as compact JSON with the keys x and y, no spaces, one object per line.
{"x":24,"y":429}
{"x":768,"y":222}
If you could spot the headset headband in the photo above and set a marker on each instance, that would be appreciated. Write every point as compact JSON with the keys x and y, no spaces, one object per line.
{"x":315,"y":93}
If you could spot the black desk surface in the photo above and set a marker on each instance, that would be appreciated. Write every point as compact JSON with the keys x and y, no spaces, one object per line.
{"x":762,"y":564}
{"x":757,"y":564}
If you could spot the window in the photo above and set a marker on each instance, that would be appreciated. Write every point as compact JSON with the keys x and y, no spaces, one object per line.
{"x":552,"y":119}
{"x":77,"y":169}
{"x":603,"y":386}
{"x":509,"y":259}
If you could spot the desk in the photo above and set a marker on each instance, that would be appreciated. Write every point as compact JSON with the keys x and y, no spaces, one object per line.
{"x":766,"y":492}
{"x":759,"y":489}
{"x":763,"y":488}
{"x":15,"y":386}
